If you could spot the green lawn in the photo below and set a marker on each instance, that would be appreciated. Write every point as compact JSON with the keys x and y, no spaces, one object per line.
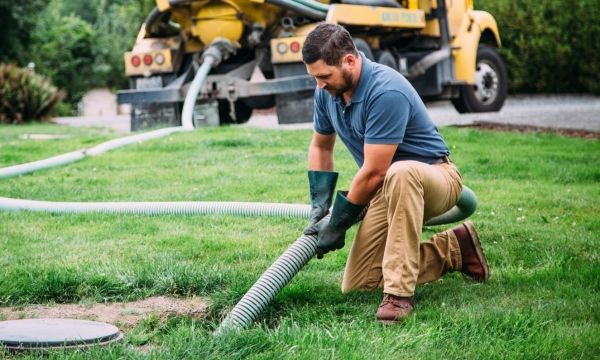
{"x":538,"y":216}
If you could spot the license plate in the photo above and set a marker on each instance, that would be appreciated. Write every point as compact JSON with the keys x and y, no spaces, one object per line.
{"x":153,"y":82}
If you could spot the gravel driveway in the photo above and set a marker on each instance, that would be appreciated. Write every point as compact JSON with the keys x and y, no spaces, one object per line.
{"x":580,"y":112}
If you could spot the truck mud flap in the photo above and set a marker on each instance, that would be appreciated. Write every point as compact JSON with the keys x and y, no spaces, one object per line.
{"x":295,"y":108}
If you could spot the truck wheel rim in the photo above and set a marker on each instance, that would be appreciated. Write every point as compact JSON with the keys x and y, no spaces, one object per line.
{"x":486,"y":83}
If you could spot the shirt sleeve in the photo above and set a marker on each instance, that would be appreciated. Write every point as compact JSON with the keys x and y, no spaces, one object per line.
{"x":321,"y":121}
{"x":387,"y":117}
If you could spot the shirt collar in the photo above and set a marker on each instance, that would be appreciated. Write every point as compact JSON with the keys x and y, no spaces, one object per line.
{"x":365,"y":74}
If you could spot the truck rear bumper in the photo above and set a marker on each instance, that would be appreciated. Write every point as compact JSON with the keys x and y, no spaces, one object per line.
{"x":219,"y":87}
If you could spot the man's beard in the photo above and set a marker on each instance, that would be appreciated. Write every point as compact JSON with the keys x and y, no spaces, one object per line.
{"x":348,"y":79}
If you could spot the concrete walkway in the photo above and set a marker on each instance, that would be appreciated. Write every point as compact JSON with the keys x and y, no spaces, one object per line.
{"x":581,"y":112}
{"x":116,"y":122}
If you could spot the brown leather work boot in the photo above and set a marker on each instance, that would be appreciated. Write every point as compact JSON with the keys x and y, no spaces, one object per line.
{"x":474,"y":263}
{"x":394,"y":308}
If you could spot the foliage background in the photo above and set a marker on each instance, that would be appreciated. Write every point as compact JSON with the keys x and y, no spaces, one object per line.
{"x":549,"y":46}
{"x":78,"y":44}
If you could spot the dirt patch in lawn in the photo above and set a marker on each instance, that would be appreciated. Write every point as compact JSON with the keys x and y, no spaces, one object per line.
{"x":492,"y":126}
{"x":124,"y":315}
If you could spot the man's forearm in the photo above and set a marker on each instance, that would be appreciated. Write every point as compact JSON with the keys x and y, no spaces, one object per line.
{"x":364,"y":186}
{"x":323,"y":163}
{"x":320,"y":158}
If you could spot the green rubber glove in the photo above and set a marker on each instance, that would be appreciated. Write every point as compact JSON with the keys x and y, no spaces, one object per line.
{"x":322,"y":187}
{"x":332,"y":231}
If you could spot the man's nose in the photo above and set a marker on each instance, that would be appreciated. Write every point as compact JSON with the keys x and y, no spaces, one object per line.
{"x":321,"y":84}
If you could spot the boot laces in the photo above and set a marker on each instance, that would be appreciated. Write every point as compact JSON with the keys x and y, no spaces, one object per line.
{"x":396,"y":301}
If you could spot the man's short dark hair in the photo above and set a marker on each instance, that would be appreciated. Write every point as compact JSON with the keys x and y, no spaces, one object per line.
{"x":328,"y":42}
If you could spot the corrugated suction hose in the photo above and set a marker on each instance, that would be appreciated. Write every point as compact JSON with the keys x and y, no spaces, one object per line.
{"x":298,"y":255}
{"x":160,"y":208}
{"x":211,"y":57}
{"x":269,"y":284}
{"x":465,"y":207}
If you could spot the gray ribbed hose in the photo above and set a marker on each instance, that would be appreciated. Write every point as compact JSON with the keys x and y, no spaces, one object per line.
{"x":59,"y":160}
{"x":298,"y":255}
{"x":465,"y":207}
{"x":269,"y":284}
{"x":191,"y":96}
{"x":160,"y":208}
{"x":74,"y":156}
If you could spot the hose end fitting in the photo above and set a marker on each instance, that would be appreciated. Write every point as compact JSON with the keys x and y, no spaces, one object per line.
{"x":220,"y":49}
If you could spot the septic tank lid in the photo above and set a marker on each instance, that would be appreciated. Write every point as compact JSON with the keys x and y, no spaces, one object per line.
{"x":41,"y":334}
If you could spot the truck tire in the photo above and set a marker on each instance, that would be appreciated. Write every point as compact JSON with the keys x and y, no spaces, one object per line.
{"x":362,"y":45}
{"x":386,"y":58}
{"x":491,"y":84}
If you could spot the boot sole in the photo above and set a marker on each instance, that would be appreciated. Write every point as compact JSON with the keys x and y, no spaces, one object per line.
{"x":397,"y":321}
{"x":478,"y":250}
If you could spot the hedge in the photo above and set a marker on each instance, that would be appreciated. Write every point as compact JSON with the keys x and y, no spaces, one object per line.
{"x":549,"y":46}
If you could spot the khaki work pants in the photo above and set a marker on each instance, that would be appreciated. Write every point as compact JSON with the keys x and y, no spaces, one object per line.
{"x":387,"y":249}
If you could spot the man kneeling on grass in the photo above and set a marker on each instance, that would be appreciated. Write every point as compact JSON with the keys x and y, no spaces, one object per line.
{"x":405,"y":177}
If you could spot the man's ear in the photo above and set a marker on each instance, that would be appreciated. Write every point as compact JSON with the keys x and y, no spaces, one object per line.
{"x":350,"y":59}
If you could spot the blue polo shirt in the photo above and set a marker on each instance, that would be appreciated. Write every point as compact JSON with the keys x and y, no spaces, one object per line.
{"x":385,"y":109}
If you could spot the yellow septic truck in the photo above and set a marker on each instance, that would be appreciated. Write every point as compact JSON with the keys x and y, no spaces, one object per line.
{"x":446,"y":49}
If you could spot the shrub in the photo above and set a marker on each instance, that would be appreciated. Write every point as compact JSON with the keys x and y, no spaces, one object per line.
{"x":549,"y":46}
{"x":80,"y":44}
{"x":25,"y":96}
{"x":63,"y":49}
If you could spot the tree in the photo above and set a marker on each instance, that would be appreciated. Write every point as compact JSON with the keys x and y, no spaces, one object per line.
{"x":16,"y":20}
{"x":63,"y":48}
{"x":80,"y":44}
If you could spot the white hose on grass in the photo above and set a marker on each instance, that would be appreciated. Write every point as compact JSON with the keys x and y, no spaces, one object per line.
{"x":234,"y":208}
{"x":55,"y":161}
{"x":64,"y":159}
